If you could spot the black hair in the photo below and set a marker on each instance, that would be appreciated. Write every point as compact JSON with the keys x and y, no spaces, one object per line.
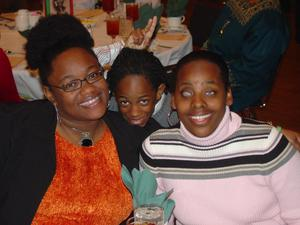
{"x":52,"y":36}
{"x":137,"y":62}
{"x":206,"y":56}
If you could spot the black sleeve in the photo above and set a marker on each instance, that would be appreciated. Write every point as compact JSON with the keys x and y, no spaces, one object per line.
{"x":128,"y":138}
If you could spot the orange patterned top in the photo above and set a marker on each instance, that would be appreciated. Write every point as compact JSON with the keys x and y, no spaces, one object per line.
{"x":87,"y":187}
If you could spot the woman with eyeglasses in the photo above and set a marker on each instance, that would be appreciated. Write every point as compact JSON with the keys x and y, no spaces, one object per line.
{"x":60,"y":158}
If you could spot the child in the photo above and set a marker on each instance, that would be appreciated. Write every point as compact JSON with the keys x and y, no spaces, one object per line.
{"x":222,"y":169}
{"x":137,"y":80}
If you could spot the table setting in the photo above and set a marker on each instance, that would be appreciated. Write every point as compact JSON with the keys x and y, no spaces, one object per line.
{"x":169,"y":43}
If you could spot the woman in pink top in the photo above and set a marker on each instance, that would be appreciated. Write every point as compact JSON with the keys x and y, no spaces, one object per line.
{"x":223,"y":169}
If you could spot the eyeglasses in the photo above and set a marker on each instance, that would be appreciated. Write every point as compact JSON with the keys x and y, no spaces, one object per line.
{"x":76,"y":84}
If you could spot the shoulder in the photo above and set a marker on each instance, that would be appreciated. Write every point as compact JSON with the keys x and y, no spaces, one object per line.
{"x":25,"y":120}
{"x":122,"y":130}
{"x":25,"y":125}
{"x":162,"y":141}
{"x":257,"y":137}
{"x":34,"y":110}
{"x":256,"y":148}
{"x":165,"y":134}
{"x":152,"y":126}
{"x":115,"y":120}
{"x":112,"y":116}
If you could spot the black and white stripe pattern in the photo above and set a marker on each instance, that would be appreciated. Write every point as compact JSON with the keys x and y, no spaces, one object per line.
{"x":254,"y":149}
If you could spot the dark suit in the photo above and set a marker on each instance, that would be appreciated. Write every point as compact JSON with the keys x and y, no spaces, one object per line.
{"x":27,"y":155}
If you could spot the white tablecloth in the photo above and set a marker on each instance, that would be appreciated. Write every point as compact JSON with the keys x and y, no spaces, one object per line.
{"x":168,"y":46}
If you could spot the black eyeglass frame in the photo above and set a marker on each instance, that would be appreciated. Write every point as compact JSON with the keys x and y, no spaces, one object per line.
{"x":100,"y":71}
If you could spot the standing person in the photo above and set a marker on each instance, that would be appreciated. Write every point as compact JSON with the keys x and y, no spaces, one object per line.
{"x":251,"y":36}
{"x":137,"y":80}
{"x":60,"y":158}
{"x":222,"y":169}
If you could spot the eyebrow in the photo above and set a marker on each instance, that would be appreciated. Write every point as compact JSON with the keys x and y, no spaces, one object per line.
{"x":204,"y":82}
{"x":72,"y":75}
{"x":144,"y":96}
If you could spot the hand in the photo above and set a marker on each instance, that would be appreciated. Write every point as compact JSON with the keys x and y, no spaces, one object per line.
{"x":293,"y":137}
{"x":141,"y":38}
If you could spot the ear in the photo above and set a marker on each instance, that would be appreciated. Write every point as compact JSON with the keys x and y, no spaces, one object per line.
{"x":229,"y":98}
{"x":160,"y":90}
{"x":49,"y":95}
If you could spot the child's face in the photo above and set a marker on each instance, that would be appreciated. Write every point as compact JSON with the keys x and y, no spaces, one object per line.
{"x":136,"y":99}
{"x":200,"y":97}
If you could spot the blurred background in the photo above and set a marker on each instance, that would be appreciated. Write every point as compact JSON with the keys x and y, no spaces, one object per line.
{"x":283,"y":104}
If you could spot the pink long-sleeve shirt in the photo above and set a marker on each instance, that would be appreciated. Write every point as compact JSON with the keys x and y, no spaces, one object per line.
{"x":244,"y":173}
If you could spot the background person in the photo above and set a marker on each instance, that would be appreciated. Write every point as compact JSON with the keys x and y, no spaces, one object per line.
{"x":251,"y":36}
{"x":137,"y":80}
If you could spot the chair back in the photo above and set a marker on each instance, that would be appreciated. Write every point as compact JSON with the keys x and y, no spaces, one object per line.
{"x":8,"y":89}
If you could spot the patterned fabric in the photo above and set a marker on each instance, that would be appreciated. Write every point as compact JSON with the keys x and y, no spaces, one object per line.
{"x":108,"y":53}
{"x":251,"y":177}
{"x":87,"y":187}
{"x":235,"y":156}
{"x":244,"y":10}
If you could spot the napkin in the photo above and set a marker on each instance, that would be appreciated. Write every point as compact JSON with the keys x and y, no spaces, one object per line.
{"x":176,"y":8}
{"x":143,"y":185}
{"x":145,"y":13}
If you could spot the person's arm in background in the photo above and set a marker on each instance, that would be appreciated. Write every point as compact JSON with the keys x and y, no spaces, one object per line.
{"x":293,"y":137}
{"x":261,"y":50}
{"x":138,"y":39}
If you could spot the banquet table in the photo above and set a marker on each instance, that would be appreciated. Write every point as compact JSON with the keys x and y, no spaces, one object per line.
{"x":168,"y":45}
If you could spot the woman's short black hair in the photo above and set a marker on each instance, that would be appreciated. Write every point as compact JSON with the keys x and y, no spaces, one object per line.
{"x":207,"y":56}
{"x":139,"y":63}
{"x":52,"y":36}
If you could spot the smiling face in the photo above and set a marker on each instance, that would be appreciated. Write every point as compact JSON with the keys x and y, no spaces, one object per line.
{"x":200,"y":97}
{"x":136,"y":99}
{"x":85,"y":104}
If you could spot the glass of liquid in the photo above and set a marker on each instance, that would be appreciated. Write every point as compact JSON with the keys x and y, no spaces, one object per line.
{"x":147,"y":215}
{"x":112,"y":26}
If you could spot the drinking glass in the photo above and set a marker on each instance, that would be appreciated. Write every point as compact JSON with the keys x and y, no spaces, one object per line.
{"x":126,"y":27}
{"x":132,"y":11}
{"x":147,"y":215}
{"x":108,"y":5}
{"x":112,"y":26}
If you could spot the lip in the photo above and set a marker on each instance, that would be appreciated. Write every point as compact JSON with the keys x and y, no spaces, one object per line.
{"x":90,"y":102}
{"x":200,"y":119}
{"x":139,"y":121}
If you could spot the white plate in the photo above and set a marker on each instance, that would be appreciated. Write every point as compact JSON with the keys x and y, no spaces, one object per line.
{"x":179,"y":28}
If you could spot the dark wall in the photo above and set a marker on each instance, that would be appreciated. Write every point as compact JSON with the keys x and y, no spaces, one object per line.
{"x":14,"y":5}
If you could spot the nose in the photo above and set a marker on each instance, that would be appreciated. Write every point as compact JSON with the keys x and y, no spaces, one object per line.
{"x":198,"y":101}
{"x":134,"y":111}
{"x":88,"y":87}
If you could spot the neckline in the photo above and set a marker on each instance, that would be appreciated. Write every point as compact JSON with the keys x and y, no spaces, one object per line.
{"x":95,"y":143}
{"x":228,"y":125}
